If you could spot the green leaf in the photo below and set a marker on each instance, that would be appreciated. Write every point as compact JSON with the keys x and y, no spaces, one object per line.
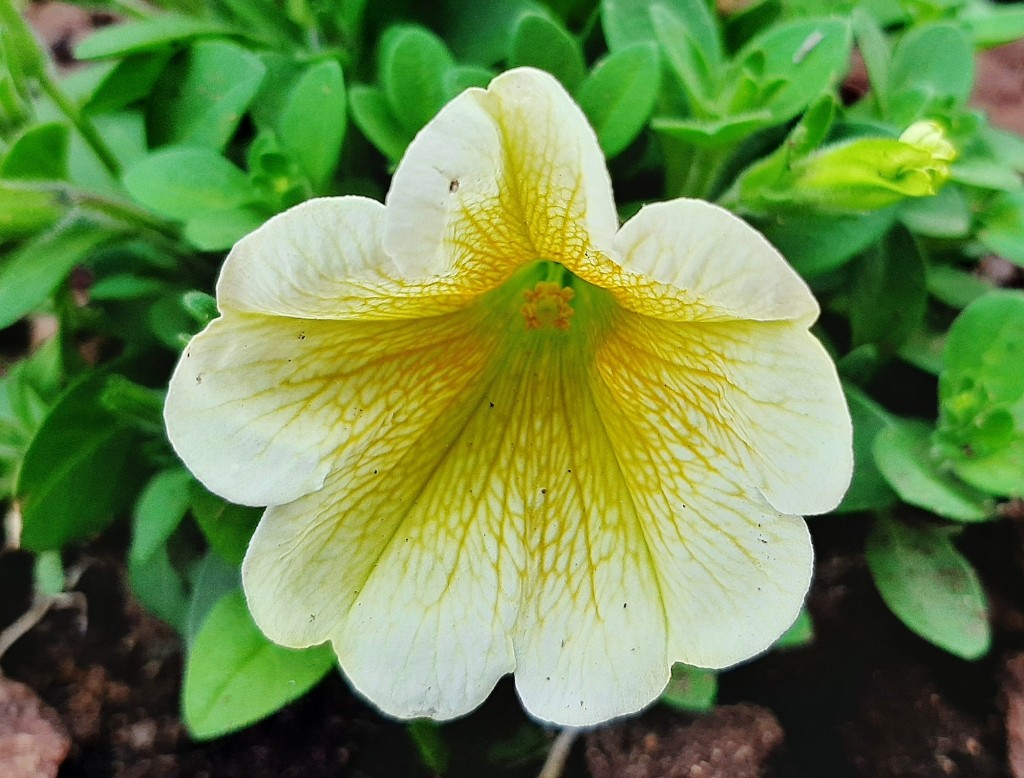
{"x":218,"y":230}
{"x":889,"y":296}
{"x":992,"y":25}
{"x":227,"y":526}
{"x":628,"y":22}
{"x":539,"y":42}
{"x":30,"y":274}
{"x":481,"y":33}
{"x":312,"y":125}
{"x":946,"y":214}
{"x":459,"y":78}
{"x":930,"y":586}
{"x":133,"y":78}
{"x":180,"y":182}
{"x":203,"y":96}
{"x":413,"y":64}
{"x":158,"y":511}
{"x":373,"y":117}
{"x":619,"y":95}
{"x":125,"y":134}
{"x":869,"y":490}
{"x":981,"y":394}
{"x":156,"y":32}
{"x":985,"y":173}
{"x":929,"y":79}
{"x":954,"y":287}
{"x":434,"y":752}
{"x":903,"y":454}
{"x":800,"y":633}
{"x":710,"y":133}
{"x":684,"y":50}
{"x":213,"y":579}
{"x":48,"y":573}
{"x":159,"y":588}
{"x":79,"y":470}
{"x":691,"y":689}
{"x":24,"y":211}
{"x":1002,"y":226}
{"x":234,"y":676}
{"x":874,"y":48}
{"x":800,"y":238}
{"x":805,"y":58}
{"x":40,"y":152}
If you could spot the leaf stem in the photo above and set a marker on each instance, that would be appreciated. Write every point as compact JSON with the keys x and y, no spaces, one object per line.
{"x":558,"y":754}
{"x":81,"y":122}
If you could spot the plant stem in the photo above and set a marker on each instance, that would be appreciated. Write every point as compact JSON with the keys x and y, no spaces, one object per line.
{"x":81,"y":123}
{"x":558,"y":755}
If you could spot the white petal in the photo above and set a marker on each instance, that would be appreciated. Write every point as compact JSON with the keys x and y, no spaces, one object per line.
{"x":498,"y":178}
{"x":263,"y":408}
{"x":717,"y":265}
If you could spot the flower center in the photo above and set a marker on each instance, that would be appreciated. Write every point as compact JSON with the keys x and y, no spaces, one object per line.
{"x":547,"y":305}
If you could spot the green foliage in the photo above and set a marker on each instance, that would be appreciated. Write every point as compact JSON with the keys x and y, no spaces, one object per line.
{"x":931,"y":586}
{"x":123,"y":185}
{"x":691,"y":689}
{"x":235,"y":676}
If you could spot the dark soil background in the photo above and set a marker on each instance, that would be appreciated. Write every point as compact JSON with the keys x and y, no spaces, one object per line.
{"x":92,"y":690}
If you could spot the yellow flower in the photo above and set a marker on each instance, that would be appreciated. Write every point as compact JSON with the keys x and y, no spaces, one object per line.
{"x":499,"y":433}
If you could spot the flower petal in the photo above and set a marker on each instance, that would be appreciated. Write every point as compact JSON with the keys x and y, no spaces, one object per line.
{"x":763,"y":395}
{"x":412,"y":560}
{"x":499,"y":177}
{"x":321,"y":259}
{"x":732,"y":569}
{"x":687,"y":260}
{"x":262,"y":408}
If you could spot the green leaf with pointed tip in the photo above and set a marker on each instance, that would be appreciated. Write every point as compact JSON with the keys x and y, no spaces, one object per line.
{"x":930,"y":586}
{"x":80,"y":469}
{"x":234,"y":676}
{"x":903,"y":454}
{"x":312,"y":125}
{"x":619,"y":95}
{"x":539,"y":42}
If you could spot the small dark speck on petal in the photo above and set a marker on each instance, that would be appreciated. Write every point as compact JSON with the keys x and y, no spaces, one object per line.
{"x":199,"y":378}
{"x":491,"y":404}
{"x":453,"y":187}
{"x":623,"y":605}
{"x":543,"y":491}
{"x":302,"y":336}
{"x":375,"y":472}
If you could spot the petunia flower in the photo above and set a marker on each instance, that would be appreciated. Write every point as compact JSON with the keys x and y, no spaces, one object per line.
{"x":498,"y":433}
